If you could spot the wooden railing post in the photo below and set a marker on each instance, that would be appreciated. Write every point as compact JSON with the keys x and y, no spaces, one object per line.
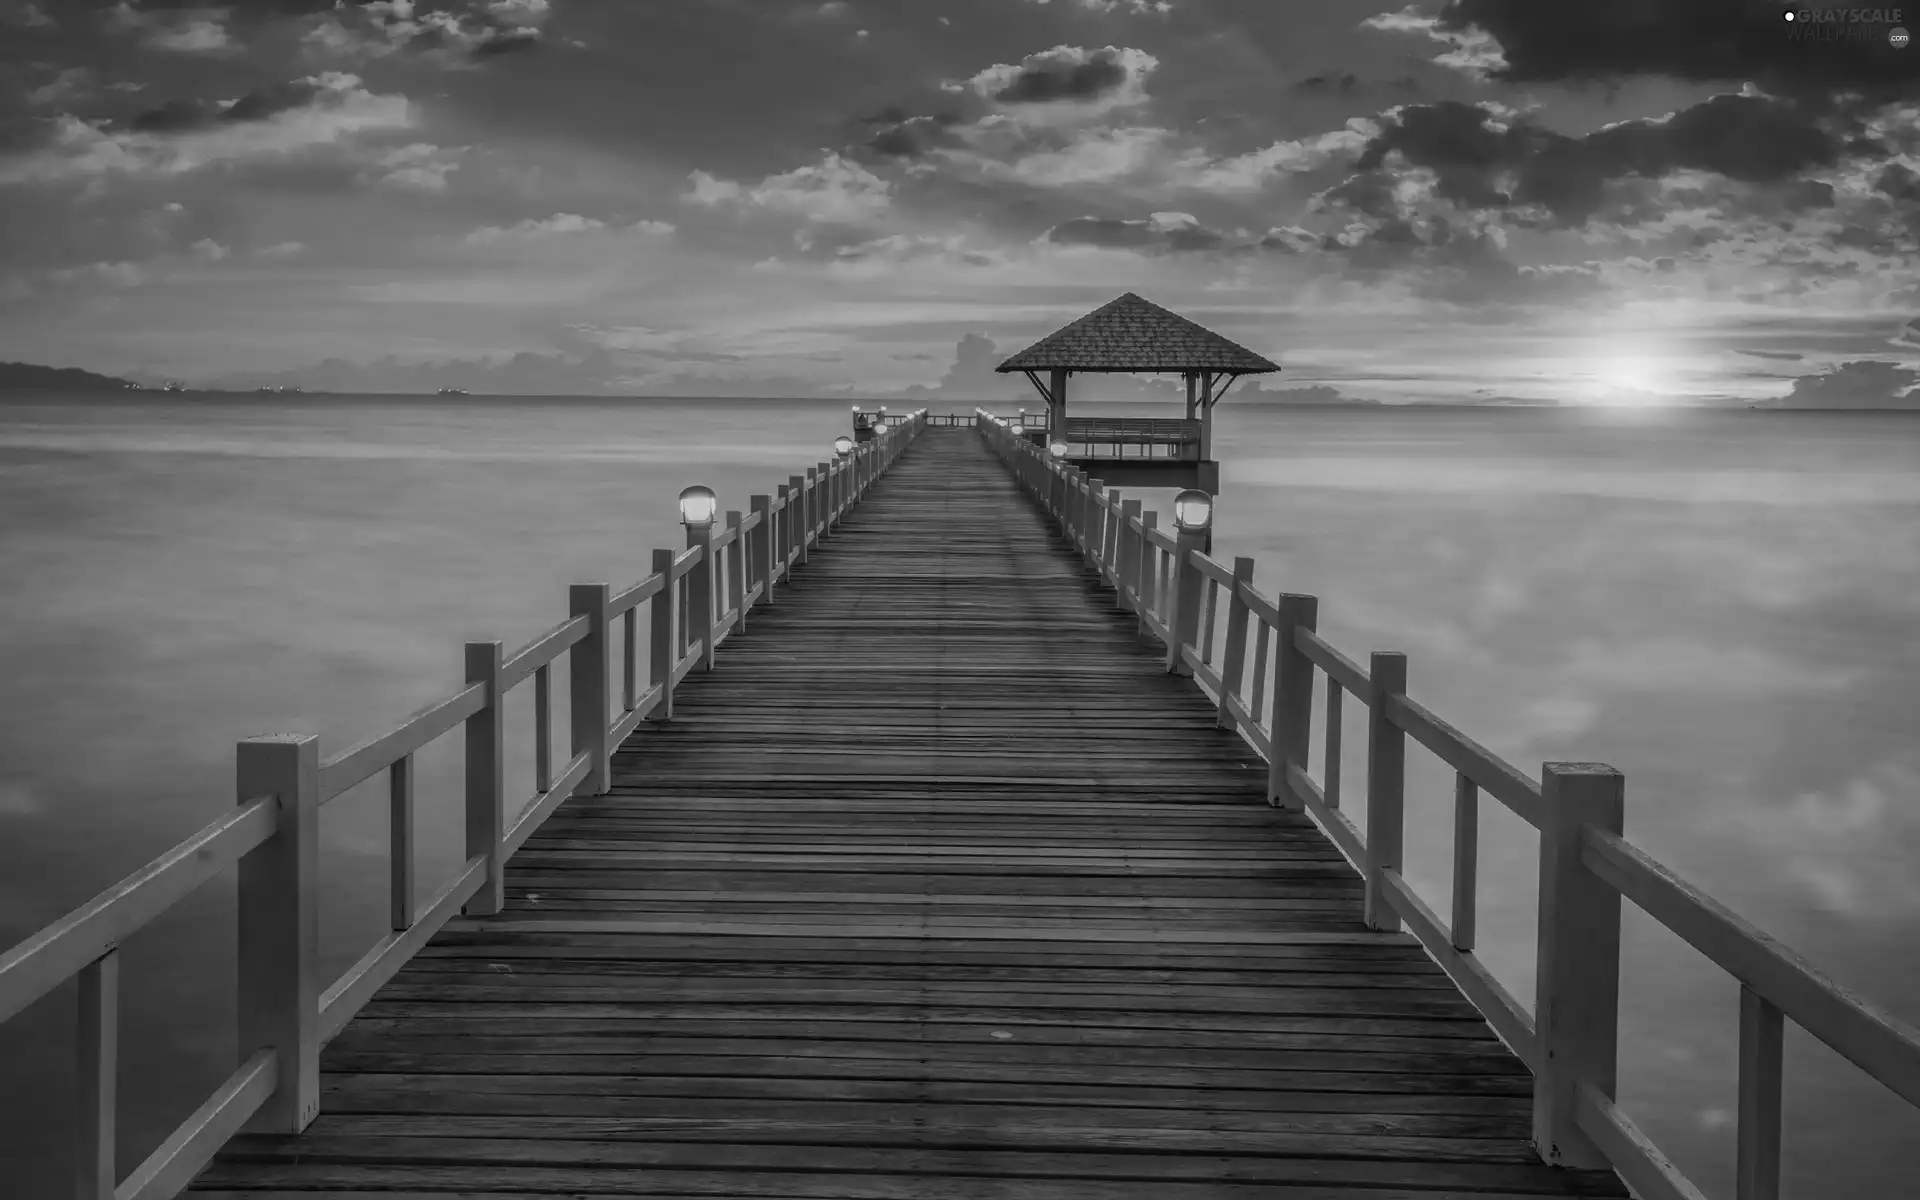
{"x":783,"y":530}
{"x":486,"y":779}
{"x":1386,"y":785}
{"x":1292,"y":706}
{"x":1148,"y":585}
{"x":97,"y":1047}
{"x":1233,"y":660}
{"x":664,"y":622}
{"x":279,"y":933}
{"x":1095,"y":522}
{"x":1128,"y":567}
{"x":815,"y":508}
{"x":700,"y":593}
{"x":737,"y":571}
{"x":1188,"y":583}
{"x":760,"y":554}
{"x":591,"y":717}
{"x":1576,"y":1010}
{"x":1110,"y":531}
{"x":797,"y":515}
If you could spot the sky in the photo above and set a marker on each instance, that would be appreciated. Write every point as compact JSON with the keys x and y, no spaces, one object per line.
{"x":1615,"y":201}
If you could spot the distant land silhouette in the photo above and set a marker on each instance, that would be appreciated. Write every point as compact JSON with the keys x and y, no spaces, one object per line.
{"x":26,"y":377}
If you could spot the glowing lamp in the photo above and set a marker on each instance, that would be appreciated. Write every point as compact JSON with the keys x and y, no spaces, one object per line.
{"x":698,"y":506}
{"x":1057,"y":449}
{"x":843,"y":445}
{"x":1193,"y":511}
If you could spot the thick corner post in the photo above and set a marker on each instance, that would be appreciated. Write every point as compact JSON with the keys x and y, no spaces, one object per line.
{"x":1292,"y":705}
{"x":1386,"y":785}
{"x":1576,"y":1013}
{"x":279,"y":932}
{"x":486,"y":779}
{"x":591,"y":717}
{"x":1188,"y":587}
{"x":663,"y":623}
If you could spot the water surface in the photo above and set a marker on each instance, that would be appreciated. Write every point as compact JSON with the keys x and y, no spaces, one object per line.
{"x":1719,"y":604}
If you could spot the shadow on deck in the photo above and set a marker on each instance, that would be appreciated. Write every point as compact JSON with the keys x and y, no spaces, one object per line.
{"x":939,"y":887}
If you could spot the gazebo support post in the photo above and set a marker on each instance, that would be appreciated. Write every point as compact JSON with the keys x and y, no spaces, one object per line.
{"x":1206,"y":415}
{"x":1057,"y":406}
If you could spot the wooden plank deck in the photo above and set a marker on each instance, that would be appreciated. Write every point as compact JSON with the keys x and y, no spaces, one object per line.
{"x":937,"y":889}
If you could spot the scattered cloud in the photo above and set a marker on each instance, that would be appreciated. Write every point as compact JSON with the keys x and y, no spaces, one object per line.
{"x":27,"y":16}
{"x":419,"y":166}
{"x":176,"y":30}
{"x":184,"y":136}
{"x":835,"y":190}
{"x":1082,"y":79}
{"x":1160,"y":232}
{"x":1138,"y":8}
{"x":533,"y":228}
{"x":452,"y":36}
{"x":1470,"y":50}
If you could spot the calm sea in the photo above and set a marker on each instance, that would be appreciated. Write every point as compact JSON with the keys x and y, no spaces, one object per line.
{"x":1719,"y":604}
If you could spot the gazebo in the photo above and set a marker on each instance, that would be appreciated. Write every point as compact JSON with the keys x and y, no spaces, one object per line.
{"x":1134,"y":335}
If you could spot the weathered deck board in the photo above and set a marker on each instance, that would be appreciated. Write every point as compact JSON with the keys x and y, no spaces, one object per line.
{"x":939,"y":887}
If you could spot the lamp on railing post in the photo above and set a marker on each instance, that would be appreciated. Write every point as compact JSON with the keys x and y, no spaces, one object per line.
{"x":698,"y":507}
{"x":1193,"y":522}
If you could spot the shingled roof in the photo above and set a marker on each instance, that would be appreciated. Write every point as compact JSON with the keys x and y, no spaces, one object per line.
{"x":1132,"y":334}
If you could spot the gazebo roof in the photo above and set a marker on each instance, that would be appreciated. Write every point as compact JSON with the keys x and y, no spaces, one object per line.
{"x":1132,"y":334}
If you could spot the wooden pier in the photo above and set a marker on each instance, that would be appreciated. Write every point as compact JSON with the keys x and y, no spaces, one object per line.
{"x":947,"y":834}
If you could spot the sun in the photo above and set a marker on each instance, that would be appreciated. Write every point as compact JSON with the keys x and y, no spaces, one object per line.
{"x":1628,"y":376}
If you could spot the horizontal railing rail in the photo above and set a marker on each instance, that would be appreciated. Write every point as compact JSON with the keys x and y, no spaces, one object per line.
{"x":1173,"y":430}
{"x":696,"y":598}
{"x":1569,"y":1039}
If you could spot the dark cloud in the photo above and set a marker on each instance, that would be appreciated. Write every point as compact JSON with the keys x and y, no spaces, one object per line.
{"x":1701,"y":40}
{"x":1481,"y":161}
{"x":1456,"y":266}
{"x":1866,"y":383}
{"x":1900,"y":183}
{"x":1052,"y":79}
{"x":1782,"y":355}
{"x":179,"y":116}
{"x":891,"y":133}
{"x":1340,"y":81}
{"x":506,"y":41}
{"x":1152,"y":236}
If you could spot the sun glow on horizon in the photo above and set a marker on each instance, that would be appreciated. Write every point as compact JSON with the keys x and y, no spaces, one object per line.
{"x":1629,"y":373}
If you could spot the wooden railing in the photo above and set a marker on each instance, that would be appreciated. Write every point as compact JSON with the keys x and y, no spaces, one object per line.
{"x":696,"y":597}
{"x":1569,"y":1038}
